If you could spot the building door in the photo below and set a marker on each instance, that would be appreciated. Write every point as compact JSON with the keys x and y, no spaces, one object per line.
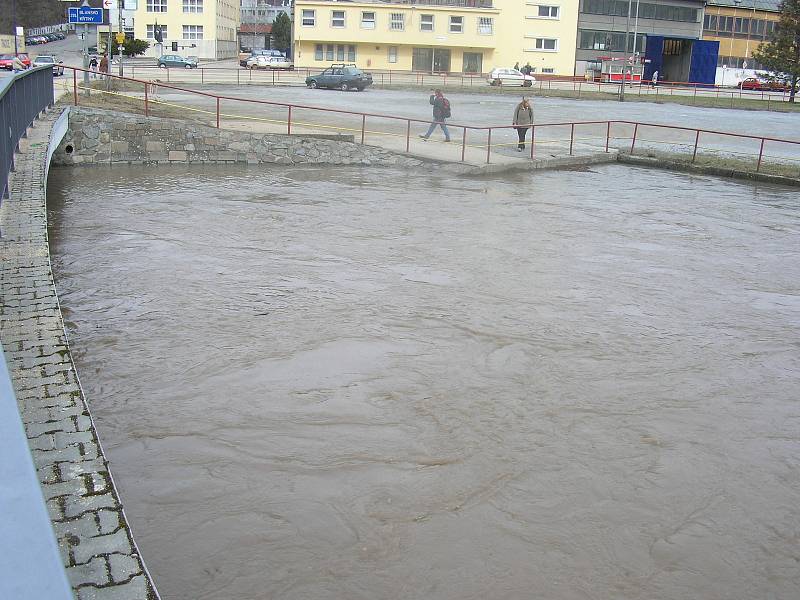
{"x":422,"y":59}
{"x":441,"y":60}
{"x":473,"y":62}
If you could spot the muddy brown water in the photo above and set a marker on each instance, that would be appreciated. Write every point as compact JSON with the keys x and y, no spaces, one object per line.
{"x":327,"y":383}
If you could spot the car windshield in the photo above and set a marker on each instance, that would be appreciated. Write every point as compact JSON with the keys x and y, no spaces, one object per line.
{"x":44,"y":59}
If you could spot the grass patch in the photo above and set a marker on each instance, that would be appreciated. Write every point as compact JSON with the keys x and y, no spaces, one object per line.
{"x":724,"y":163}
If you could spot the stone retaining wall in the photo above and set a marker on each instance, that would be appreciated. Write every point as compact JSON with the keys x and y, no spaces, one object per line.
{"x":100,"y":136}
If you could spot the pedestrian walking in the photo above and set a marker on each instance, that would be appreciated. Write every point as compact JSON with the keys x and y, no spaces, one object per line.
{"x":441,"y":112}
{"x":103,"y":66}
{"x":516,"y":66}
{"x":93,"y":66}
{"x":654,"y":81}
{"x":523,"y":119}
{"x":527,"y":69}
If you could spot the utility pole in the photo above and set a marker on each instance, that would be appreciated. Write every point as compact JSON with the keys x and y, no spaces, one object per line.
{"x":625,"y":64}
{"x":119,"y":13}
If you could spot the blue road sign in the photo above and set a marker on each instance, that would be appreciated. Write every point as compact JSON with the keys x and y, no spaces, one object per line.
{"x":84,"y":14}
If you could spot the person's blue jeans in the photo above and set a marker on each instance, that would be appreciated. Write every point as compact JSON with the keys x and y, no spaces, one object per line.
{"x":441,"y":124}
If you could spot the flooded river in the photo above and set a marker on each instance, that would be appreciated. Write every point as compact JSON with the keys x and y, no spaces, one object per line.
{"x":349,"y":384}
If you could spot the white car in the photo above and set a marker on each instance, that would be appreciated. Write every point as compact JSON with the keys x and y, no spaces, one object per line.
{"x":58,"y":65}
{"x":510,"y":77}
{"x":269,"y":62}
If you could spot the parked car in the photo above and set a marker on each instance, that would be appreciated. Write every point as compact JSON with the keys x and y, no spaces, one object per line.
{"x":341,"y":76}
{"x":773,"y":85}
{"x":176,"y":60}
{"x":244,"y":56}
{"x":7,"y":61}
{"x":58,"y":65}
{"x":500,"y":77}
{"x":269,"y":62}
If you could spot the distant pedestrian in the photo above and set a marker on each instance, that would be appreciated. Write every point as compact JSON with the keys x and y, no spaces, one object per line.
{"x":654,"y":81}
{"x":441,"y":112}
{"x":516,"y":66}
{"x":17,"y":65}
{"x":104,"y":66}
{"x":523,"y":119}
{"x":527,"y":69}
{"x":93,"y":66}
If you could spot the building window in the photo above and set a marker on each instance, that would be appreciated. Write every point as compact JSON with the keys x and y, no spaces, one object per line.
{"x":193,"y":6}
{"x":549,"y":12}
{"x":609,"y":41}
{"x":351,"y":53}
{"x":309,"y":18}
{"x":340,"y":53}
{"x":647,"y":10}
{"x":473,"y":62}
{"x":456,"y":24}
{"x":426,"y":22}
{"x":337,"y":19}
{"x":547,"y":44}
{"x":156,"y":5}
{"x":319,"y":52}
{"x":392,"y":54}
{"x":548,"y":70}
{"x":150,"y":32}
{"x":329,"y":50}
{"x":367,"y":20}
{"x":397,"y":22}
{"x":485,"y":25}
{"x":193,"y":32}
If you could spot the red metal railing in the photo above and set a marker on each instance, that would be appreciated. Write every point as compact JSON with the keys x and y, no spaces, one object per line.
{"x":477,"y":131}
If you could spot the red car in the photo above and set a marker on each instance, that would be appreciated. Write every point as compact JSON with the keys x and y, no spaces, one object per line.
{"x":7,"y":60}
{"x":753,"y":83}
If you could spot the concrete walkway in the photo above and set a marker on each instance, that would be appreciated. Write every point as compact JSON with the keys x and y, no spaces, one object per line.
{"x":95,"y":541}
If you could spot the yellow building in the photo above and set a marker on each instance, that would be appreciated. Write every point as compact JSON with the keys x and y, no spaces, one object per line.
{"x":740,"y":26}
{"x":451,"y":36}
{"x":203,"y":28}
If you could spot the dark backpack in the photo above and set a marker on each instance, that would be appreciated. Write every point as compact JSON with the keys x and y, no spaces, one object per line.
{"x":445,"y":108}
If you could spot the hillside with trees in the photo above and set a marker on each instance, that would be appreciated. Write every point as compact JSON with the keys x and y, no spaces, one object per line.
{"x":36,"y":13}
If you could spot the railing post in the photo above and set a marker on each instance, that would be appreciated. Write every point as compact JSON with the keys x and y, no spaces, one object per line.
{"x":289,"y":122}
{"x":463,"y":144}
{"x":696,"y":140}
{"x":635,"y":130}
{"x":408,"y":135}
{"x":608,"y":133}
{"x":533,"y":140}
{"x":571,"y":137}
{"x":75,"y":86}
{"x":760,"y":155}
{"x":202,"y":76}
{"x":488,"y":145}
{"x":217,"y":113}
{"x":237,"y":77}
{"x":363,"y":126}
{"x":146,"y":104}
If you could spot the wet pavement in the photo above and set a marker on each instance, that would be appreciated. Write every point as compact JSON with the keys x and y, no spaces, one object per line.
{"x":366,"y":383}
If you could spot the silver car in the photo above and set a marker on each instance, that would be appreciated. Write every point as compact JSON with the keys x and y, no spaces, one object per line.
{"x":44,"y":59}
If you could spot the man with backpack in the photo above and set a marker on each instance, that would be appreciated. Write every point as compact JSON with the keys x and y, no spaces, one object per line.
{"x":441,"y":112}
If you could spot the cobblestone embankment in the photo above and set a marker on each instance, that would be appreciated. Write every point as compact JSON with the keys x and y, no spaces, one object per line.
{"x":95,"y":541}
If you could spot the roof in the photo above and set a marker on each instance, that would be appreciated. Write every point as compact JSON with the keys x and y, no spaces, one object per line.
{"x":765,"y":5}
{"x":255,"y":28}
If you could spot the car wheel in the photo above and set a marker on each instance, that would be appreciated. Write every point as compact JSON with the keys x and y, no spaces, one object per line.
{"x":312,"y":84}
{"x":498,"y":82}
{"x":361,"y":89}
{"x":527,"y":83}
{"x":187,"y":66}
{"x":344,"y":87}
{"x":162,"y":66}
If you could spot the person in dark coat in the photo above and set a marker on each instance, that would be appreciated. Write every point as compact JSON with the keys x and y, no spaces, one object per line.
{"x":441,"y":112}
{"x":523,"y":119}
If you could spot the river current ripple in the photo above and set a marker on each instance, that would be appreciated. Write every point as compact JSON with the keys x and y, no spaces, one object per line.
{"x":344,"y":384}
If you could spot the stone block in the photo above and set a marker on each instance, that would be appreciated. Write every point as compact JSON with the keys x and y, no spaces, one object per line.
{"x":77,"y":529}
{"x":95,"y":572}
{"x":178,"y":155}
{"x":110,"y":520}
{"x":119,"y":147}
{"x":123,"y":567}
{"x":135,"y":589}
{"x":155,"y":147}
{"x":101,"y":545}
{"x":75,"y":506}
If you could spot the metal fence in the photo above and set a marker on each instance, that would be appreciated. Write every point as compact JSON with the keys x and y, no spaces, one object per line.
{"x":23,"y":97}
{"x":469,"y":142}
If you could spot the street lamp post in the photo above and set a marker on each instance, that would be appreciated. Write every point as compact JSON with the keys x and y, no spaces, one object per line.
{"x":625,"y":64}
